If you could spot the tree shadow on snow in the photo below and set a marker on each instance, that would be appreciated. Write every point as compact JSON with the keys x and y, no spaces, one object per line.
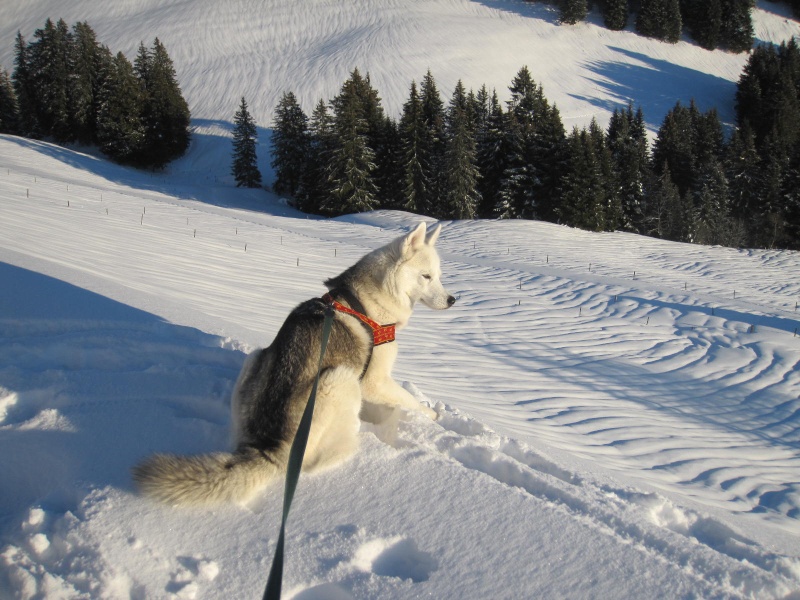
{"x":654,"y":84}
{"x":532,"y":10}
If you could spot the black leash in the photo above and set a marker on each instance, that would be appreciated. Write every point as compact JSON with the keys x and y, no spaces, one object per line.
{"x":273,"y":589}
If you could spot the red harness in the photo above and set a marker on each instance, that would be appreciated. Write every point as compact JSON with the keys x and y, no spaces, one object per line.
{"x":381,"y":334}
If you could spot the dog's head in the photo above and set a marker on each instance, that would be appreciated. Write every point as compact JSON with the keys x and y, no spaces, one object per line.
{"x":418,"y":274}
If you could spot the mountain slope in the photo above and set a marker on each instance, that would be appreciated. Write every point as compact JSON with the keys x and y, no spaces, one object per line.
{"x":602,"y":434}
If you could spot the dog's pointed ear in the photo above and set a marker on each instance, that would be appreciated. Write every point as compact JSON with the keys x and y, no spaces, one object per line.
{"x":414,"y":240}
{"x":433,"y":235}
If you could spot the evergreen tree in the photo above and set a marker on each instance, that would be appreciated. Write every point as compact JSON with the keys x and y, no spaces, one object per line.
{"x":660,"y":19}
{"x":389,"y":159}
{"x":433,"y":116}
{"x":535,"y":142}
{"x":460,"y":168}
{"x":352,"y":164}
{"x":245,"y":163}
{"x":582,"y":197}
{"x":165,"y":114}
{"x":791,"y":193}
{"x":666,"y":215}
{"x":87,"y":62}
{"x":743,"y":171}
{"x":627,"y":143}
{"x":572,"y":11}
{"x":414,"y":154}
{"x":736,"y":32}
{"x":674,"y":147}
{"x":703,"y":19}
{"x":769,"y":218}
{"x":713,"y":224}
{"x":290,"y":145}
{"x":314,"y":192}
{"x":767,"y":93}
{"x":615,"y":13}
{"x":48,"y":72}
{"x":120,"y":132}
{"x":9,"y":117}
{"x":607,"y":183}
{"x":492,"y":154}
{"x":23,"y":88}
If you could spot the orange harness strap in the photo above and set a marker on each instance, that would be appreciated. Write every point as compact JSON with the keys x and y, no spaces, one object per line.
{"x":381,"y":334}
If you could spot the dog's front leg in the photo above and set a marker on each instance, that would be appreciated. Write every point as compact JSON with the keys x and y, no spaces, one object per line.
{"x":379,"y":387}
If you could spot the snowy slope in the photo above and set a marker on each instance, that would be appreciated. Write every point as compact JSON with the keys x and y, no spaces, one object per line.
{"x":225,"y":50}
{"x":603,"y":434}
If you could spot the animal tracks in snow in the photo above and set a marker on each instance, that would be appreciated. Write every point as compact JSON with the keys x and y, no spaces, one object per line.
{"x":361,"y":558}
{"x":648,"y":521}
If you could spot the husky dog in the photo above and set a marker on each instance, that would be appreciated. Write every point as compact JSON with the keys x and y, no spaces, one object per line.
{"x":275,"y":382}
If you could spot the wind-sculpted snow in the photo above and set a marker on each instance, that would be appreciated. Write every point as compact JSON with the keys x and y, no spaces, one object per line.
{"x":600,"y":433}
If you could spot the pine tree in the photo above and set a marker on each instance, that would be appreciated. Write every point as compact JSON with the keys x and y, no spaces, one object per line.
{"x":48,"y":75}
{"x":534,"y":141}
{"x":736,"y":32}
{"x":9,"y":114}
{"x":743,"y":171}
{"x":389,"y":173}
{"x":22,"y":79}
{"x":791,"y":194}
{"x":627,"y":143}
{"x":769,"y":218}
{"x":572,"y":11}
{"x":433,"y":116}
{"x":660,"y":19}
{"x":290,"y":145}
{"x":615,"y":13}
{"x":492,"y":154}
{"x":674,"y":147}
{"x":352,"y":163}
{"x":703,"y":19}
{"x":165,"y":114}
{"x":767,"y":93}
{"x":582,"y":201}
{"x":414,"y":154}
{"x":666,"y":215}
{"x":713,"y":224}
{"x":607,"y":183}
{"x":460,"y":168}
{"x":314,"y":192}
{"x":120,"y":132}
{"x":245,"y":162}
{"x":87,"y":62}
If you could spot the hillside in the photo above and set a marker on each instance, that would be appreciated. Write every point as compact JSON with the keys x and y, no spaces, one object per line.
{"x":603,"y":433}
{"x":223,"y":51}
{"x":619,"y":415}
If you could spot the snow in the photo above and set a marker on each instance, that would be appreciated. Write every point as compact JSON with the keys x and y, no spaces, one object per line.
{"x":602,"y":434}
{"x":619,"y":415}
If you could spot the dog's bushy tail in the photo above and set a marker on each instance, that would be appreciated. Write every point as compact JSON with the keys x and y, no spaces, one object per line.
{"x":204,"y":479}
